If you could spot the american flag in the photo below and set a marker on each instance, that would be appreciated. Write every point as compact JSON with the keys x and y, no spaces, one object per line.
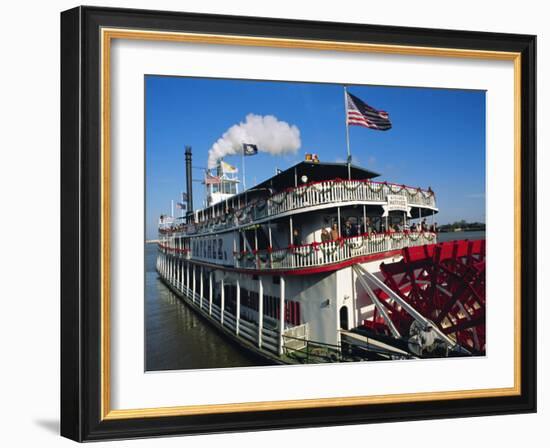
{"x":212,"y":180}
{"x":361,"y":114}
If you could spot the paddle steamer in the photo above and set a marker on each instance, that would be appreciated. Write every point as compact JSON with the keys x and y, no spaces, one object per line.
{"x":322,"y":263}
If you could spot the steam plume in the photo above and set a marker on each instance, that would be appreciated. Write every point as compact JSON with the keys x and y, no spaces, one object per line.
{"x":266,"y":132}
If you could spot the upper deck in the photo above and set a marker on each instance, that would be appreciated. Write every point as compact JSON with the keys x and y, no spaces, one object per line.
{"x":262,"y":203}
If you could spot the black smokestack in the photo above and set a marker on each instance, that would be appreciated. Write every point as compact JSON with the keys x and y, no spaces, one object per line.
{"x":189,"y":178}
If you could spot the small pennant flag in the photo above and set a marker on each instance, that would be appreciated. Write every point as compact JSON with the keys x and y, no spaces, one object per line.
{"x":227,"y":168}
{"x":181,"y":206}
{"x":361,"y":114}
{"x":249,"y":149}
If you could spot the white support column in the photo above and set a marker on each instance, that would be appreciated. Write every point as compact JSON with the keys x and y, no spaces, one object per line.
{"x":235,"y":262}
{"x":187,"y":283}
{"x":270,"y":244}
{"x":201,"y":288}
{"x":257,"y":257}
{"x":238,"y":311}
{"x":182,"y":274}
{"x":194,"y":283}
{"x":281,"y":314}
{"x":291,"y":238}
{"x":339,"y":230}
{"x":260,"y":310}
{"x":222,"y":300}
{"x":354,"y":293}
{"x":364,"y":218}
{"x":210,"y":293}
{"x":171,"y":268}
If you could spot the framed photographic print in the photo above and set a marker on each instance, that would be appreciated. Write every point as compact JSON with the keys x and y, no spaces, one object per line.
{"x":273,"y":224}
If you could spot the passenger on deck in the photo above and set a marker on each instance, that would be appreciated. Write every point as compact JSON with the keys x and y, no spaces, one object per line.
{"x":348,"y":232}
{"x":325,"y":235}
{"x":334,"y":234}
{"x":296,"y":239}
{"x":368,"y":226}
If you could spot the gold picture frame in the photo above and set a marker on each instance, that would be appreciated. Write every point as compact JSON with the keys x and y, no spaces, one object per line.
{"x":102,"y":30}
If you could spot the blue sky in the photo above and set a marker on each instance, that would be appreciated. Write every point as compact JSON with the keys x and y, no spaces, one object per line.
{"x":437,"y":138}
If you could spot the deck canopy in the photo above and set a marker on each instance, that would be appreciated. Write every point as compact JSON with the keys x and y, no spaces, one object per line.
{"x":314,"y":172}
{"x":291,"y":177}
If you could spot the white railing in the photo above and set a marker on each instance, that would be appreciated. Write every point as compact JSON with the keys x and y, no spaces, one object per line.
{"x":295,"y":338}
{"x":332,"y":191}
{"x":247,"y":329}
{"x":318,"y":254}
{"x":310,"y":195}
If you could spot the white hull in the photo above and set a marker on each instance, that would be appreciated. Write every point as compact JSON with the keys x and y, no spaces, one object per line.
{"x":328,"y":302}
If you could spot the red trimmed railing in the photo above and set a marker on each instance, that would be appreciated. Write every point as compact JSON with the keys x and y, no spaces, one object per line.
{"x":318,"y":254}
{"x":338,"y":190}
{"x":308,"y":195}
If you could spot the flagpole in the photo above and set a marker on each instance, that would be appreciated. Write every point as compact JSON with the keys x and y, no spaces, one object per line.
{"x":347,"y":131}
{"x":244,"y":171}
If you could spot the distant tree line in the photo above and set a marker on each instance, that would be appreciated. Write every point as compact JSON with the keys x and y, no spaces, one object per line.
{"x":462,"y":226}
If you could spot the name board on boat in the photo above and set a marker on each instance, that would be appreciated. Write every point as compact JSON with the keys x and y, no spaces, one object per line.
{"x":396,"y":202}
{"x":217,"y":249}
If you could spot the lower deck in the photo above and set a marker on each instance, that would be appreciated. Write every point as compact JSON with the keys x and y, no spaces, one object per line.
{"x":288,"y":319}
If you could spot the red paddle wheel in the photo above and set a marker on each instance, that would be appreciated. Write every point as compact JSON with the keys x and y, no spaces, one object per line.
{"x":445,"y":283}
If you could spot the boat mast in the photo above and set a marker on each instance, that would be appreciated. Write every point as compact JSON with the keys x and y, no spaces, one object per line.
{"x":242,"y":165}
{"x":347,"y":131}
